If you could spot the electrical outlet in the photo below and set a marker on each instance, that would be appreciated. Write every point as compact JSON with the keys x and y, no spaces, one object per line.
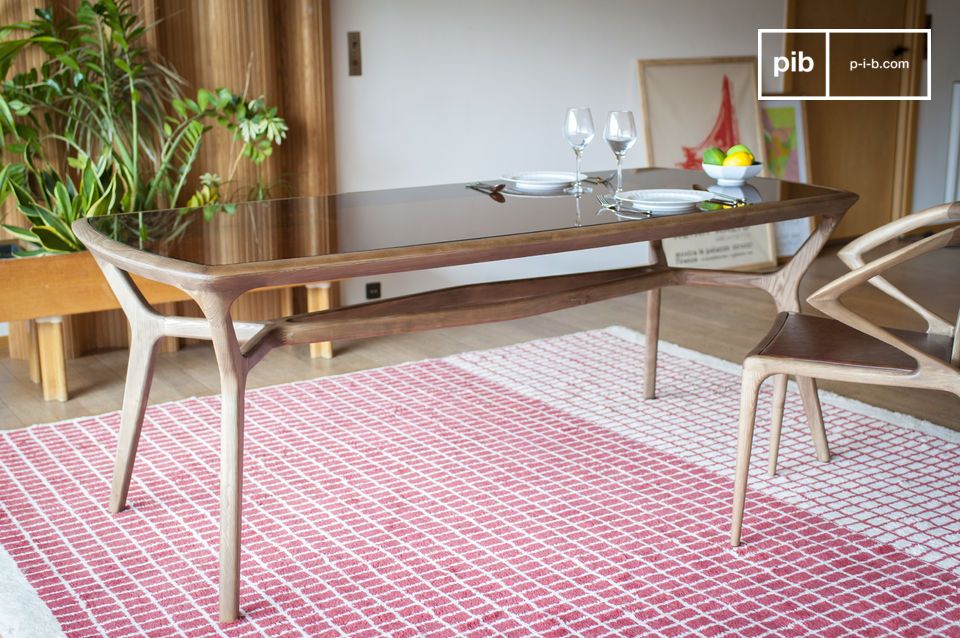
{"x":353,"y":52}
{"x":373,"y":290}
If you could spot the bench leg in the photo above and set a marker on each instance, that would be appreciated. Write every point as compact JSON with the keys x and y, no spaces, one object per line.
{"x":320,"y":297}
{"x":53,"y":366}
{"x":33,"y":353}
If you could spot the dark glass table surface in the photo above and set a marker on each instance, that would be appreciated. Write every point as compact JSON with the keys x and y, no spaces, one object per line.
{"x":365,"y":221}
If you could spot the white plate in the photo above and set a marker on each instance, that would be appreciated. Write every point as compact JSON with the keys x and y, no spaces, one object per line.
{"x":664,"y":201}
{"x":542,"y":180}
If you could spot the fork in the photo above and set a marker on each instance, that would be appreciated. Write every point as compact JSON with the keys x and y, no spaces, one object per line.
{"x":611,"y":203}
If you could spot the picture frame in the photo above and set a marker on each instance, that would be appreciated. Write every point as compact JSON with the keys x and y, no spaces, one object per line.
{"x":785,"y":146}
{"x":688,"y":105}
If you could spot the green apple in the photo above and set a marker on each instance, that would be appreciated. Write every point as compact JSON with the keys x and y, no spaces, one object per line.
{"x":713,"y":155}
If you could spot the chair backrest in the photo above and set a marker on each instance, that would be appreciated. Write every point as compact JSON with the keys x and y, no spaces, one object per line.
{"x":852,"y":256}
{"x":941,"y":374}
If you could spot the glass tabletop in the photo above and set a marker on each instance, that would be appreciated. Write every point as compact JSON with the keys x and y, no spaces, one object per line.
{"x":366,"y":221}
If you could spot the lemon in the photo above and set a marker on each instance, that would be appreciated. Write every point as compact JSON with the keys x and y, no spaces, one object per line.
{"x":713,"y":155}
{"x":738,"y":159}
{"x":739,"y":148}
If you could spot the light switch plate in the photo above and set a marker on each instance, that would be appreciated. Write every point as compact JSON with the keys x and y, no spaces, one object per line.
{"x":353,"y":52}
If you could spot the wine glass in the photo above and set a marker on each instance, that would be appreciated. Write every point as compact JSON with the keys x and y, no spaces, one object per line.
{"x":578,"y":129}
{"x":621,"y":134}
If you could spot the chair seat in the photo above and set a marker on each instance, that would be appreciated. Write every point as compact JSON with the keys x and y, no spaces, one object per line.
{"x":823,"y":340}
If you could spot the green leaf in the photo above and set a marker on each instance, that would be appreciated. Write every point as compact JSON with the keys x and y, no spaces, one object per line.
{"x":19,"y":107}
{"x":62,"y":198}
{"x":21,"y":233}
{"x":78,"y":163}
{"x":53,"y":242}
{"x":101,"y":206}
{"x":122,"y":65}
{"x":30,"y":253}
{"x":58,"y":225}
{"x":31,"y":212}
{"x":6,"y":113}
{"x":204,"y":99}
{"x":69,"y":62}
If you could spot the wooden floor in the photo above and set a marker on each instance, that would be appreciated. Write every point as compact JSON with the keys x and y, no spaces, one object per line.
{"x":722,"y":322}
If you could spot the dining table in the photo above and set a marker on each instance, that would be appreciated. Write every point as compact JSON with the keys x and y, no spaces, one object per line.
{"x":218,"y":252}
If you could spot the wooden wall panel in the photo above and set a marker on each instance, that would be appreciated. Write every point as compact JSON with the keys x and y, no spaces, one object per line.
{"x":225,"y":43}
{"x":308,"y":106}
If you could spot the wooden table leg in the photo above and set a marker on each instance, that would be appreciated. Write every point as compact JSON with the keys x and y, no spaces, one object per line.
{"x":233,"y":378}
{"x":320,"y":296}
{"x":53,"y":365}
{"x":652,"y":331}
{"x":148,"y":328}
{"x":146,"y":331}
{"x":651,"y":345}
{"x":143,"y":352}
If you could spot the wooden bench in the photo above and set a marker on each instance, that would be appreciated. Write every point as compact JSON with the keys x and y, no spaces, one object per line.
{"x":44,"y":290}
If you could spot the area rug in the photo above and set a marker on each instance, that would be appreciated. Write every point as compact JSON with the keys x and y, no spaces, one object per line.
{"x":522,"y":491}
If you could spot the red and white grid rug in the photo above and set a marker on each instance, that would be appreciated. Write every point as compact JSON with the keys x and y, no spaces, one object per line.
{"x":521,"y":491}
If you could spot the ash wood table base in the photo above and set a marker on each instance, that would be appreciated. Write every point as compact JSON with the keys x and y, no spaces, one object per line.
{"x":240,"y":346}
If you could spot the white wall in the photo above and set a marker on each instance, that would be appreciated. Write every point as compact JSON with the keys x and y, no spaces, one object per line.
{"x":934,"y":116}
{"x":456,"y":91}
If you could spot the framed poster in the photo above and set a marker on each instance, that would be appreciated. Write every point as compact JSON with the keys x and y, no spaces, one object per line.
{"x":785,"y":144}
{"x":687,"y":106}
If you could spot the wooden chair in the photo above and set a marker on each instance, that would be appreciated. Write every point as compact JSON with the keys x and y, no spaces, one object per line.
{"x":847,"y":347}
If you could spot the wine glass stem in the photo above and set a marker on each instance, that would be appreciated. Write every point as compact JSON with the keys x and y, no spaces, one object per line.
{"x":579,"y":153}
{"x":619,"y":172}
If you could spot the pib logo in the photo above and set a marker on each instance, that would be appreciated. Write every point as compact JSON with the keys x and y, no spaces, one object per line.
{"x":796,"y":62}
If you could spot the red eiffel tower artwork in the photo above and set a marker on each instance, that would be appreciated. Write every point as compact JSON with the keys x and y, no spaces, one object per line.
{"x":723,"y":135}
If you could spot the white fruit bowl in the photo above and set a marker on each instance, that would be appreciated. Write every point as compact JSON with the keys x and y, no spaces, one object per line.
{"x":732,"y":175}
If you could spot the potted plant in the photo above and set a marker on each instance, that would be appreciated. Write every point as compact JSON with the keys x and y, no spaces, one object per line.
{"x":102,"y":125}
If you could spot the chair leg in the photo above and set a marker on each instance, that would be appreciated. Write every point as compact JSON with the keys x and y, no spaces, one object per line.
{"x":811,"y":406}
{"x":750,"y":388}
{"x":776,"y":419}
{"x":652,"y":340}
{"x":143,"y":352}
